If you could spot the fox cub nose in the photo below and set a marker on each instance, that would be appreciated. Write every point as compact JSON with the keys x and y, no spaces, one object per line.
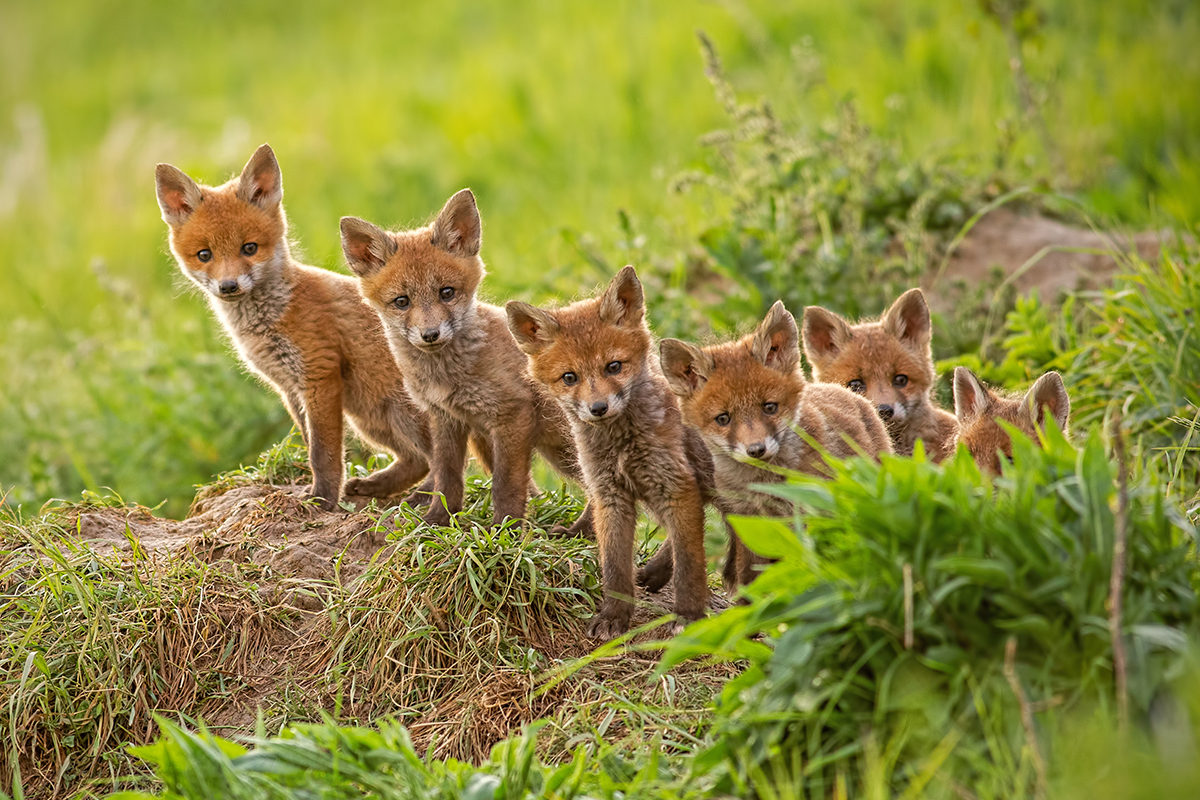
{"x":756,"y":450}
{"x":430,"y":335}
{"x":599,"y":408}
{"x":886,"y":411}
{"x":228,"y":287}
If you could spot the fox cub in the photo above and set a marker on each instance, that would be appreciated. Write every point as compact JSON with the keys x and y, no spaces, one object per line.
{"x":890,"y":363}
{"x":304,"y":331}
{"x":750,"y":403}
{"x":978,"y":408}
{"x":460,"y":362}
{"x":595,"y":358}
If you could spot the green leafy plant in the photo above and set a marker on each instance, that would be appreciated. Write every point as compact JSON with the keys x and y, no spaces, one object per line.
{"x":897,"y":596}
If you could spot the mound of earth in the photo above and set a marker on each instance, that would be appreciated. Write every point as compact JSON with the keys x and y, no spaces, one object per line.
{"x":306,"y":557}
{"x":1077,"y":258}
{"x":269,"y":525}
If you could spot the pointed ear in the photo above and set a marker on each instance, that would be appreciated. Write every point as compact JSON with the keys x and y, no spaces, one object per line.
{"x":261,"y":182}
{"x":1049,"y":395}
{"x":623,"y":302}
{"x":178,"y":195}
{"x":825,"y":334}
{"x":533,"y":328}
{"x":970,"y":397}
{"x":908,"y":319}
{"x":685,"y":367}
{"x":458,"y":229}
{"x":776,"y":341}
{"x":367,"y":247}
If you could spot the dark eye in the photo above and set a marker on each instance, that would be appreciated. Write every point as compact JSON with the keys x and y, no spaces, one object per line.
{"x":250,"y":248}
{"x":570,"y":378}
{"x":856,"y":386}
{"x":401,"y":302}
{"x":723,"y":419}
{"x":612,"y":367}
{"x":447,"y":293}
{"x":770,"y":408}
{"x":900,"y":381}
{"x":205,"y":255}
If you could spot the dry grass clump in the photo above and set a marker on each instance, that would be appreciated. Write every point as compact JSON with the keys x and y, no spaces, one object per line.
{"x":92,"y":644}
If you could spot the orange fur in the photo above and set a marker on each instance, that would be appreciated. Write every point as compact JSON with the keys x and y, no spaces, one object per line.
{"x":460,"y":362}
{"x":304,"y":331}
{"x":978,"y":408}
{"x":890,"y":363}
{"x":595,"y":359}
{"x":750,"y":403}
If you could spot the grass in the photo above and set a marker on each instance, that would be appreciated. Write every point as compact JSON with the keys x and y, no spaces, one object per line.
{"x":451,"y":631}
{"x":844,"y":678}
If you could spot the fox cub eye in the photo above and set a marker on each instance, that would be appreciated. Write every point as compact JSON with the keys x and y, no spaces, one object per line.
{"x":570,"y":378}
{"x":447,"y":293}
{"x":205,"y":255}
{"x":612,"y":367}
{"x":770,"y":408}
{"x":900,"y":381}
{"x":722,"y":419}
{"x":250,"y":248}
{"x":401,"y":302}
{"x":856,"y":386}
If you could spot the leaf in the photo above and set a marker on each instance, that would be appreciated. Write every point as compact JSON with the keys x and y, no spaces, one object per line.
{"x":481,"y":786}
{"x":1162,"y":636}
{"x":768,"y":537}
{"x":984,"y":571}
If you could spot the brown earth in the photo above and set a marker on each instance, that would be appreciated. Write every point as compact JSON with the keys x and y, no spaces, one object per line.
{"x":307,"y":556}
{"x":1009,"y":240}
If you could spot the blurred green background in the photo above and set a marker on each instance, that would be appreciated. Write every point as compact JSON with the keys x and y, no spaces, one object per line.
{"x":558,"y":114}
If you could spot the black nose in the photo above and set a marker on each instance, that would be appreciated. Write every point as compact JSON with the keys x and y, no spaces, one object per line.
{"x":599,"y":408}
{"x":228,"y":287}
{"x":756,"y":450}
{"x":430,"y":335}
{"x":885,"y":411}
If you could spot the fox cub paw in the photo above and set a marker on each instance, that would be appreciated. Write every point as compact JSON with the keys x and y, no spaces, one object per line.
{"x":437,"y":514}
{"x":366,"y":487}
{"x":322,"y":502}
{"x":654,"y":576}
{"x":610,"y":622}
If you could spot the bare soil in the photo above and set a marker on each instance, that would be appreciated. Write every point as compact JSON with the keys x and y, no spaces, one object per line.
{"x":1009,"y":240}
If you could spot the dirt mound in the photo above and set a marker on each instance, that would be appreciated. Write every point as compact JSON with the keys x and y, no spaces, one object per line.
{"x":1079,"y":259}
{"x":298,"y":612}
{"x":296,"y":539}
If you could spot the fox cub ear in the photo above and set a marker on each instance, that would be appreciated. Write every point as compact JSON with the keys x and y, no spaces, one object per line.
{"x":970,"y":397}
{"x":908,"y":319}
{"x":533,"y":328}
{"x":178,"y":195}
{"x":1049,"y":394}
{"x":367,"y":247}
{"x":623,"y":302}
{"x":458,"y":229}
{"x":777,"y":341}
{"x":261,"y":182}
{"x":825,"y":334}
{"x":685,"y":367}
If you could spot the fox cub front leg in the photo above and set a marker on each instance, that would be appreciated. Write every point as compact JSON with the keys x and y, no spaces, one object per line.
{"x":512,"y":452}
{"x":323,"y":413}
{"x":616,"y":524}
{"x":449,"y":462}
